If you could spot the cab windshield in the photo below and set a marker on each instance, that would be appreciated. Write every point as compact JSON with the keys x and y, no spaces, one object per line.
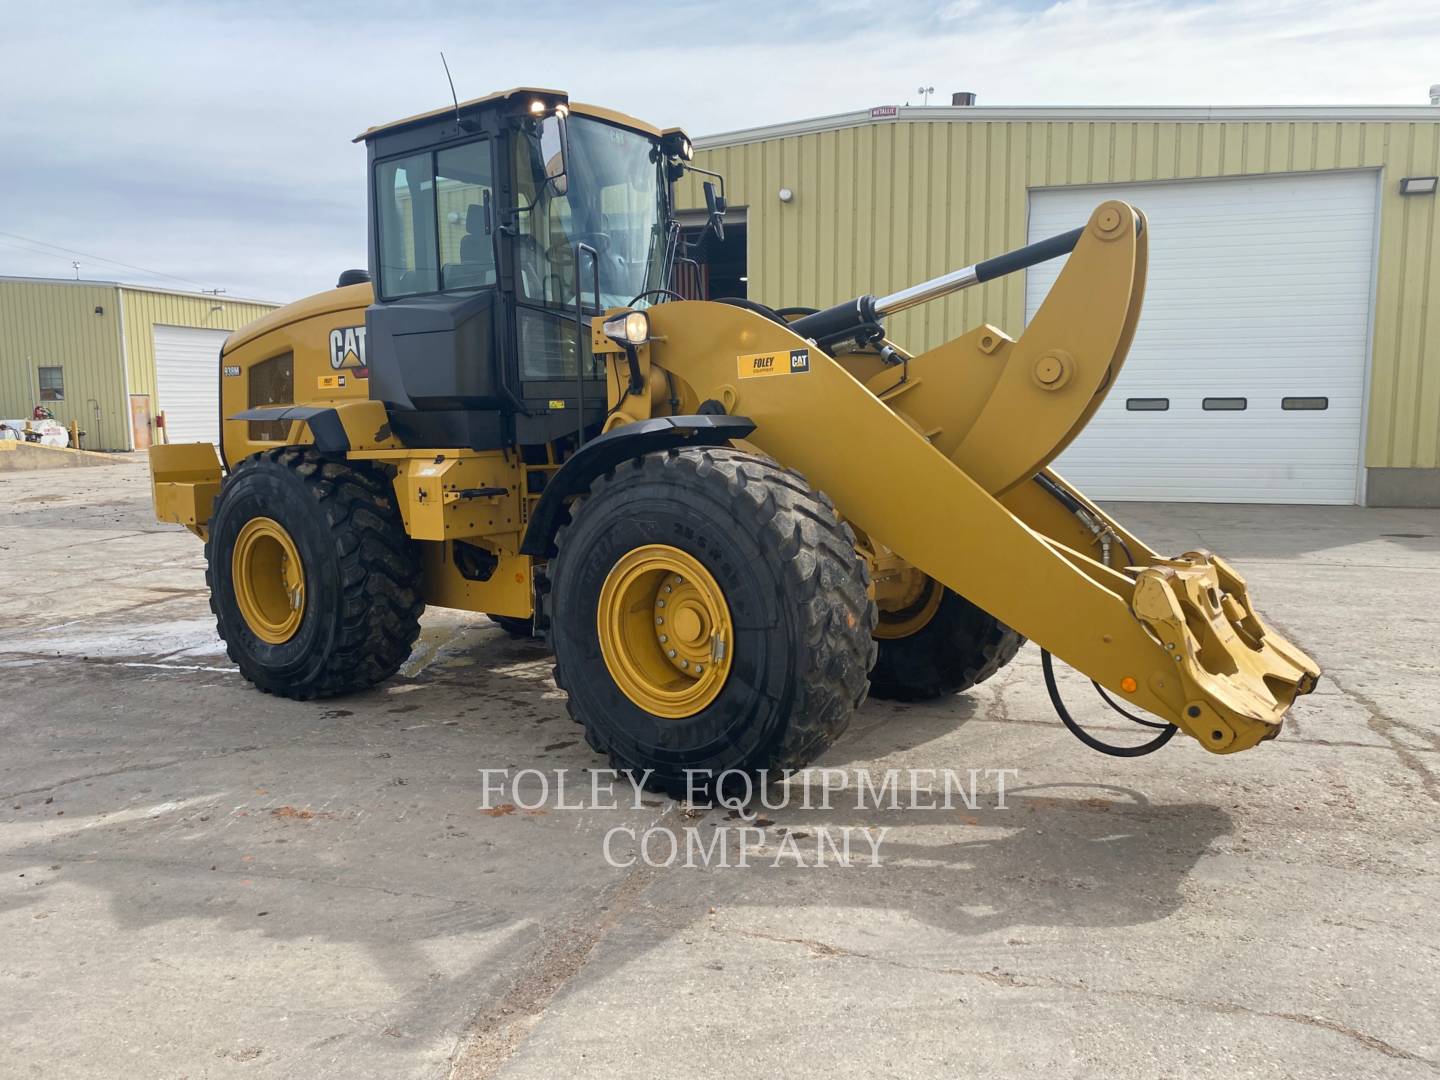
{"x":612,"y":199}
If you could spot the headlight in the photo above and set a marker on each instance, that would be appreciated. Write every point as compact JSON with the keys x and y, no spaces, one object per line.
{"x":630,"y":328}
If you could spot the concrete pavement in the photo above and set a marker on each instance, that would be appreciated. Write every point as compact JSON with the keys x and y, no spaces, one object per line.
{"x":197,"y":880}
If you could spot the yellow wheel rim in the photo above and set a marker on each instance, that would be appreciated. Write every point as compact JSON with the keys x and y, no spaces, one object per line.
{"x":921,"y":601}
{"x":665,"y":631}
{"x":269,"y":580}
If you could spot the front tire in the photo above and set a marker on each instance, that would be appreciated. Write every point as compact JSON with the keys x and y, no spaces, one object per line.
{"x":314,"y":583}
{"x":770,"y":613}
{"x":959,"y":647}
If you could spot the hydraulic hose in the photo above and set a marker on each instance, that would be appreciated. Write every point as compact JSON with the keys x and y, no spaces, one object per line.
{"x":1103,"y":533}
{"x":1167,"y":731}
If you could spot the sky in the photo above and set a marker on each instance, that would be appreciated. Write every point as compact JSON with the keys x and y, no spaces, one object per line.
{"x":207,"y":145}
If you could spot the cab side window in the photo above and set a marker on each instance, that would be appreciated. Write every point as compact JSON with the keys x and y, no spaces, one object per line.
{"x":436,"y":227}
{"x":405,"y":202}
{"x":464,"y":187}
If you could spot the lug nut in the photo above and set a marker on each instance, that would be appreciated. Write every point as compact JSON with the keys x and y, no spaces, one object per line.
{"x":671,"y":654}
{"x":664,"y":638}
{"x":685,"y":664}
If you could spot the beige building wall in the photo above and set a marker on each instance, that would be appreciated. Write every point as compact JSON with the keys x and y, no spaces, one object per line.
{"x":881,"y":204}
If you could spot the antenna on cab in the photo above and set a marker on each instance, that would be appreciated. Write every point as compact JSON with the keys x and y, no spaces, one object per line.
{"x":451,"y":81}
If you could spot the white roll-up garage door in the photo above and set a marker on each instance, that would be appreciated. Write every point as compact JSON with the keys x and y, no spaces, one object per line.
{"x":187,"y":376}
{"x":1246,"y":380}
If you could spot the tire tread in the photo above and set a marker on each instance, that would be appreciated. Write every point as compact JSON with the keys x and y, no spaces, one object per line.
{"x":828,"y":587}
{"x":380,"y":577}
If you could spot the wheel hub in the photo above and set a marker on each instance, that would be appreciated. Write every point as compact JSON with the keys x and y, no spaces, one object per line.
{"x":269,"y":580}
{"x":665,"y":631}
{"x":914,"y":603}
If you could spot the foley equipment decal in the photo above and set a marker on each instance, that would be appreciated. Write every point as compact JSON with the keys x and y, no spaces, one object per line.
{"x":759,"y":365}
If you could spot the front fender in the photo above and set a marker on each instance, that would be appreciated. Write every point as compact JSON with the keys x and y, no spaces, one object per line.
{"x":604,"y":452}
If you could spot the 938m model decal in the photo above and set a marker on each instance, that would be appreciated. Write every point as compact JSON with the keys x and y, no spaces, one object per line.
{"x":347,"y":350}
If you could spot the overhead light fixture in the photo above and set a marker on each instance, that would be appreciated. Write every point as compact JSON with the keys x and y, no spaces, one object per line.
{"x":677,"y":145}
{"x":1418,"y":185}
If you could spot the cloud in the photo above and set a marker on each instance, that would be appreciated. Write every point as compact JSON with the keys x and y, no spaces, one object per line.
{"x":213,"y":141}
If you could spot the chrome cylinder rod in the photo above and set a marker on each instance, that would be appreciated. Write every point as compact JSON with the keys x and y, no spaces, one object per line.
{"x":1019,"y":259}
{"x":915,"y":295}
{"x":859,"y":319}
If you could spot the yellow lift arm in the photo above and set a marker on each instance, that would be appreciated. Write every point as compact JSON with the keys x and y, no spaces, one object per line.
{"x":942,"y":458}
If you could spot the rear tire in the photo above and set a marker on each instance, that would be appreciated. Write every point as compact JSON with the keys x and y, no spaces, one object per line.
{"x":361,"y":574}
{"x":794,"y":600}
{"x":960,"y":647}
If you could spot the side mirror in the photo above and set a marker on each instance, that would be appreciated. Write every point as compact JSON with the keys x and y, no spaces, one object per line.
{"x":715,"y":204}
{"x":555,"y":149}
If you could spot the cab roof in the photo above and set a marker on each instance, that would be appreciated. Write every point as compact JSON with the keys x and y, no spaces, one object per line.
{"x":596,"y":111}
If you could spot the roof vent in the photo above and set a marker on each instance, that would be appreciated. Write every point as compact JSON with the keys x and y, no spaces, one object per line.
{"x":965,"y":97}
{"x":1435,"y":94}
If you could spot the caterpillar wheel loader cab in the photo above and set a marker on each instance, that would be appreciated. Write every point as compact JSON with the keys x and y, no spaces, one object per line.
{"x":727,"y":520}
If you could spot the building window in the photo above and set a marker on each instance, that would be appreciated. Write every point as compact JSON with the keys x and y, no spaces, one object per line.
{"x":52,"y":384}
{"x":1223,"y":404}
{"x":1304,"y":404}
{"x":1147,"y":404}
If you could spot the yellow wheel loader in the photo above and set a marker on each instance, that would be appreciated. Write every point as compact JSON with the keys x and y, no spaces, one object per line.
{"x":728,"y":521}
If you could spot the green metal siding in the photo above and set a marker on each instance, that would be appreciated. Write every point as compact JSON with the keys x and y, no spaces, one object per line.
{"x":44,"y":325}
{"x":882,"y":205}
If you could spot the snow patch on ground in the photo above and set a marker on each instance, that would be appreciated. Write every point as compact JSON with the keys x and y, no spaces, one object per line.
{"x":171,"y":640}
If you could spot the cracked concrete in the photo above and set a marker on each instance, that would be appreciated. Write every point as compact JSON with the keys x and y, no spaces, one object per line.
{"x":198,"y":880}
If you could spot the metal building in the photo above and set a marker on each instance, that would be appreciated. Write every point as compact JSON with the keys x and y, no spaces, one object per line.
{"x":112,"y":357}
{"x":1289,"y":347}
